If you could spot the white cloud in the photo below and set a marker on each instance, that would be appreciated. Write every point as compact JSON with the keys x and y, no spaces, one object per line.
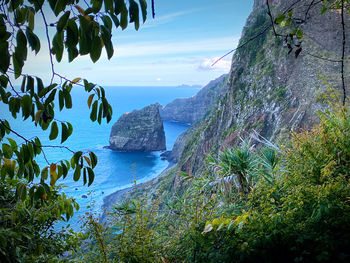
{"x":222,"y":65}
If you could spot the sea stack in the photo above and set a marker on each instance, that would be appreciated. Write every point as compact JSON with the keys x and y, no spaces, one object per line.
{"x":138,"y":131}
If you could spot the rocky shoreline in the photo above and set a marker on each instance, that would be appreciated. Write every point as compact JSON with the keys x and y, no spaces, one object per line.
{"x":116,"y":197}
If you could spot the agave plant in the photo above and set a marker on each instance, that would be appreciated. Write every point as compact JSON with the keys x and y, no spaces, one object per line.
{"x":269,"y":165}
{"x":234,"y":168}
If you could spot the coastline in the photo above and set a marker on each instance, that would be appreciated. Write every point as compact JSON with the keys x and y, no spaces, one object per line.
{"x":119,"y":195}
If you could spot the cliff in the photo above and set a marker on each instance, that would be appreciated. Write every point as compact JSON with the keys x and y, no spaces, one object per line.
{"x":140,"y":130}
{"x":269,"y":92}
{"x":190,"y":110}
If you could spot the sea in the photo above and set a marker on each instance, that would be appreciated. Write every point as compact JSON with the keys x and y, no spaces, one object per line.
{"x":115,"y":170}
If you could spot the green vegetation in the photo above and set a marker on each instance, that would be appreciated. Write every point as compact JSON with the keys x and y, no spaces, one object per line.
{"x":30,"y":200}
{"x":272,"y":205}
{"x":253,"y":49}
{"x":289,"y":203}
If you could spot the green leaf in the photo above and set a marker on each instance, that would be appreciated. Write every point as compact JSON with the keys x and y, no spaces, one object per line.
{"x":93,"y":159}
{"x":77,"y":156}
{"x":77,"y":173}
{"x":134,"y":14}
{"x":72,"y":53}
{"x":17,"y":64}
{"x":72,"y":34}
{"x":279,"y":19}
{"x":115,"y":20}
{"x":23,"y":83}
{"x":7,"y":151}
{"x":96,"y":5}
{"x":119,"y":6}
{"x":26,"y":104}
{"x":65,"y":133}
{"x":84,"y":176}
{"x":124,"y":18}
{"x":64,"y":169}
{"x":54,"y":131}
{"x":107,"y":22}
{"x":105,"y":107}
{"x":21,"y":191}
{"x":57,"y":45}
{"x":70,"y":129}
{"x":13,"y":144}
{"x":93,"y":114}
{"x":99,"y":116}
{"x":44,"y":173}
{"x":106,"y":37}
{"x":91,"y":175}
{"x":60,"y":99}
{"x":60,"y":6}
{"x":108,"y":5}
{"x":67,"y":99}
{"x":31,"y":20}
{"x":40,"y":86}
{"x":51,"y":97}
{"x":62,"y":22}
{"x":143,"y":5}
{"x":89,"y":101}
{"x":4,"y":96}
{"x":30,"y":84}
{"x":3,"y":81}
{"x":5,"y":56}
{"x":96,"y":49}
{"x":288,"y":22}
{"x":300,"y":33}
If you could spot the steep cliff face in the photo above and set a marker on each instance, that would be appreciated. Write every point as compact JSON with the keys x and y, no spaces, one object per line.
{"x":140,"y":130}
{"x":269,"y":91}
{"x":190,"y":110}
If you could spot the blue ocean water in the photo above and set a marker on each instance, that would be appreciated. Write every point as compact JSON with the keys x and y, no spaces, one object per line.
{"x":114,"y":170}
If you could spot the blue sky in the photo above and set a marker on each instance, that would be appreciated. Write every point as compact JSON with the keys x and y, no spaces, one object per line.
{"x":177,"y":47}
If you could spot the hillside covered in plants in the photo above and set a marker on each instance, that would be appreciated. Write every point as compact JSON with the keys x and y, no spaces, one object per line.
{"x":262,"y":176}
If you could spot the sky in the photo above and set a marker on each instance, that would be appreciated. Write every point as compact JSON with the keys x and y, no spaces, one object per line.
{"x":177,"y":47}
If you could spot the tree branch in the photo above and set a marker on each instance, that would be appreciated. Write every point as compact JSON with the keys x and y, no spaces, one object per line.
{"x":40,"y":146}
{"x":244,"y":44}
{"x":49,"y":44}
{"x":343,"y":52}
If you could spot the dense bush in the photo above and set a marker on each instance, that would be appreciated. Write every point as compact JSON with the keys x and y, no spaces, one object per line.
{"x":297,"y":208}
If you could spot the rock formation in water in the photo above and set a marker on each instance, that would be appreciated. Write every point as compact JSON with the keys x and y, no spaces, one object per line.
{"x":140,"y":130}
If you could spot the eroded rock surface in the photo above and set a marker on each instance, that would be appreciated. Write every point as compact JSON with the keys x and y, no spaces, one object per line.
{"x":140,"y":130}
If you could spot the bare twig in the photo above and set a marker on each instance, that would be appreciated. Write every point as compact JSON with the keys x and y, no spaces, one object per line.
{"x":343,"y":52}
{"x":323,"y":58}
{"x":272,"y":20}
{"x":153,"y":10}
{"x":244,"y":44}
{"x":49,"y":44}
{"x":40,"y":146}
{"x":11,"y":85}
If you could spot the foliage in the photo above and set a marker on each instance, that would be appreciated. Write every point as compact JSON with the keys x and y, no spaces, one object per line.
{"x":26,"y":232}
{"x":303,"y":214}
{"x":130,"y":237}
{"x":30,"y":199}
{"x":297,"y":209}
